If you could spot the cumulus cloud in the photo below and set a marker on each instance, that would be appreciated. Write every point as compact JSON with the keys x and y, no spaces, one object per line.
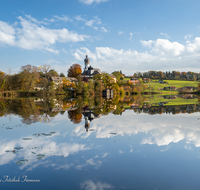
{"x":160,"y":54}
{"x":34,"y":36}
{"x":89,"y":2}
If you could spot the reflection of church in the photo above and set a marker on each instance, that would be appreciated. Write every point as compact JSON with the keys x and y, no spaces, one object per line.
{"x":89,"y":115}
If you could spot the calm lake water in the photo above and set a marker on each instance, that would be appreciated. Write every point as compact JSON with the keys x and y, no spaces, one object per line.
{"x":131,"y":150}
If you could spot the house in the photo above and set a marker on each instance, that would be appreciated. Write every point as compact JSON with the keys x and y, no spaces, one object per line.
{"x":59,"y":80}
{"x":169,"y":88}
{"x":189,"y":88}
{"x":133,"y":80}
{"x":89,"y":71}
{"x":146,"y":80}
{"x":161,"y":81}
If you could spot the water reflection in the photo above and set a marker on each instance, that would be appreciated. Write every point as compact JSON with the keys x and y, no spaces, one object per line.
{"x":99,"y":141}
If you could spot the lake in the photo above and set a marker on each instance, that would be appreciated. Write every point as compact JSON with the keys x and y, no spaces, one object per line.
{"x":58,"y":144}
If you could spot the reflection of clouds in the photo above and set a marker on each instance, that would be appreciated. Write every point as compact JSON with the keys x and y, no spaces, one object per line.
{"x":131,"y":148}
{"x":92,"y":162}
{"x":164,"y":136}
{"x":90,"y":185}
{"x":104,"y":155}
{"x":157,"y":129}
{"x":188,"y":147}
{"x":42,"y":146}
{"x":163,"y":150}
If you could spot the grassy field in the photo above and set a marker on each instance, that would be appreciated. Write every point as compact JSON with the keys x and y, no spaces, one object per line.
{"x":154,"y":86}
{"x":157,"y":87}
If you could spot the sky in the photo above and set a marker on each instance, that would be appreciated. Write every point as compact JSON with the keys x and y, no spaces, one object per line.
{"x":126,"y":35}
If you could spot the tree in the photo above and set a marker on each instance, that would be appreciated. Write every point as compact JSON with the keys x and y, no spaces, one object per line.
{"x":74,"y":70}
{"x":52,"y":73}
{"x":117,"y":74}
{"x":45,"y":68}
{"x":75,"y":116}
{"x":62,"y":75}
{"x":107,"y":81}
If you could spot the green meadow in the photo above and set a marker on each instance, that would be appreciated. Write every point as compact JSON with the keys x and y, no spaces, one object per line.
{"x":154,"y":86}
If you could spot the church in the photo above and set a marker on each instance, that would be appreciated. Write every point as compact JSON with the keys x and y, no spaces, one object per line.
{"x":89,"y":71}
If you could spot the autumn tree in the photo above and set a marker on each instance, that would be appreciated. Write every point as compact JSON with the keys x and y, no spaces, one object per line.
{"x":75,"y":116}
{"x":117,"y":74}
{"x":74,"y":70}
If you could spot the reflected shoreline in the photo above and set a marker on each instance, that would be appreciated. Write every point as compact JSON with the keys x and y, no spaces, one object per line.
{"x":43,"y":110}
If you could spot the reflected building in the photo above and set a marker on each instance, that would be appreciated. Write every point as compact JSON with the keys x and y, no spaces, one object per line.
{"x":89,"y":115}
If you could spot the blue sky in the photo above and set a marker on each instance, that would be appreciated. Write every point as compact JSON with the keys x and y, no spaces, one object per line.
{"x":127,"y":35}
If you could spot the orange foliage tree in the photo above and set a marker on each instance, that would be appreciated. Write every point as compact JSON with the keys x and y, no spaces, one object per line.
{"x":74,"y":70}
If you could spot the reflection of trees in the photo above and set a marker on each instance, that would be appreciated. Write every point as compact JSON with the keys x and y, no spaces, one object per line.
{"x":35,"y":110}
{"x":30,"y":110}
{"x":75,"y":116}
{"x":169,"y":109}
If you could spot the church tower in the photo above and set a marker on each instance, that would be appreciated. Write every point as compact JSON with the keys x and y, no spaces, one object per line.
{"x":86,"y":60}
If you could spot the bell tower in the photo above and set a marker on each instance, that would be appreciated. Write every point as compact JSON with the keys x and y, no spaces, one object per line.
{"x":86,"y":60}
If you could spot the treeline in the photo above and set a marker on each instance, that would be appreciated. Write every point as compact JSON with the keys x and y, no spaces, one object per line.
{"x":27,"y":78}
{"x":43,"y":110}
{"x":174,"y":75}
{"x":30,"y":76}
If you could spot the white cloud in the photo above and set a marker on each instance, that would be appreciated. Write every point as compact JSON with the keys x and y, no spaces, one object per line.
{"x":90,"y":23}
{"x":103,"y":29}
{"x":89,"y":2}
{"x":165,"y":47}
{"x":188,"y":36}
{"x":162,"y":55}
{"x":121,"y":32}
{"x":7,"y":33}
{"x":164,"y":34}
{"x":63,"y":18}
{"x":131,"y":34}
{"x":35,"y":20}
{"x":58,"y":18}
{"x":31,"y":36}
{"x":146,"y":43}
